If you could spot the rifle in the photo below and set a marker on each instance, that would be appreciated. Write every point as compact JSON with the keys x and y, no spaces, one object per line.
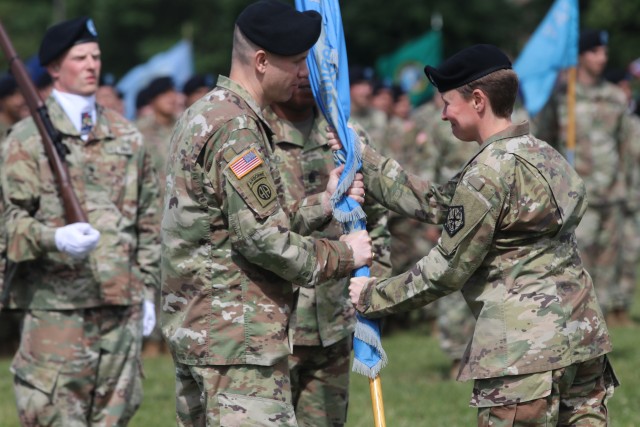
{"x":51,"y":137}
{"x":52,"y":142}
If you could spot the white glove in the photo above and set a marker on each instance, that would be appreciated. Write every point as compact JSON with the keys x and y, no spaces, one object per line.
{"x":148,"y":318}
{"x":77,"y":239}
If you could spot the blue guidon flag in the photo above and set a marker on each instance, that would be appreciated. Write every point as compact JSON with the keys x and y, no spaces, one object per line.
{"x":329,"y":77}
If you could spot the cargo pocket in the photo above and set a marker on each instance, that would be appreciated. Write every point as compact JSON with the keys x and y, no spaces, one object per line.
{"x":237,"y":410}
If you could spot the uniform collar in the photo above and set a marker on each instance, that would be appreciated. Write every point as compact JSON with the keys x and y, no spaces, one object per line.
{"x":228,"y":84}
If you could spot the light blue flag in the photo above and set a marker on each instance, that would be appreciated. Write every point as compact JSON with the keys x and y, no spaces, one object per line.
{"x":329,"y":76}
{"x":551,"y":48}
{"x":176,"y":63}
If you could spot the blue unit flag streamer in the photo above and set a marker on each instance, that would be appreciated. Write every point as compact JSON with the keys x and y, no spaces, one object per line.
{"x":329,"y":77}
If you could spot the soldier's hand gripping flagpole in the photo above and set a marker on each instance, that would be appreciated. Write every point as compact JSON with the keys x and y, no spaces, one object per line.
{"x":329,"y":77}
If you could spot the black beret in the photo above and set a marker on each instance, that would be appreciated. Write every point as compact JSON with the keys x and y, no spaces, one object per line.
{"x":196,"y":82}
{"x":279,"y":28}
{"x":158,"y":86}
{"x":142,"y":99}
{"x":359,"y":74}
{"x":8,"y":85}
{"x":64,"y":35}
{"x":466,"y":66}
{"x":44,"y":80}
{"x":590,"y":39}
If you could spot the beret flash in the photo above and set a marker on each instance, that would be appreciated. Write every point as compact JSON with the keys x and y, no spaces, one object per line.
{"x":64,"y":35}
{"x":466,"y":66}
{"x":279,"y":28}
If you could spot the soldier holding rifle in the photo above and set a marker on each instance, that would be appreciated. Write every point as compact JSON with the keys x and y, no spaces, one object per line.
{"x":81,"y":275}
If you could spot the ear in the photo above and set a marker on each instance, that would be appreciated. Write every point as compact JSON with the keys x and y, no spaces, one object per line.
{"x":479,"y":100}
{"x":54,"y":69}
{"x":261,"y":61}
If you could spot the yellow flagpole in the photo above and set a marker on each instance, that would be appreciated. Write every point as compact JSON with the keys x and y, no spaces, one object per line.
{"x":375,"y":387}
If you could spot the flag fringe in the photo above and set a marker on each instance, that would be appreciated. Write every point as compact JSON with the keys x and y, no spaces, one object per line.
{"x":368,"y":336}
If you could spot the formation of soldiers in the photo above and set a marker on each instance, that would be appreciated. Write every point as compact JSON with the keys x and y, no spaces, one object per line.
{"x":210,"y":233}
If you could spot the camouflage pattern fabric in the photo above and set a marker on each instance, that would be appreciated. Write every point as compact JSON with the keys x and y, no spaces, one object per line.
{"x":375,"y":123}
{"x":79,"y":367}
{"x":631,"y":227}
{"x":117,"y":187}
{"x":252,"y":395}
{"x":446,"y":155}
{"x":575,"y":395}
{"x":320,"y":383}
{"x":156,"y":138}
{"x":509,"y":243}
{"x":88,"y":318}
{"x":231,"y":244}
{"x":601,"y":119}
{"x":323,"y":319}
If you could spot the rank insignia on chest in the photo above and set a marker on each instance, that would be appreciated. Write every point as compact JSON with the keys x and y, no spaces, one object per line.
{"x":248,"y":161}
{"x":86,"y":123}
{"x":455,"y":220}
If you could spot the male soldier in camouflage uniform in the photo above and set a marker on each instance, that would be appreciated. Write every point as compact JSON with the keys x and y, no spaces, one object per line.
{"x":156,"y":129}
{"x":372,"y":120}
{"x":82,"y":285}
{"x":601,"y":123}
{"x":538,"y":353}
{"x":13,"y":108}
{"x":323,"y":318}
{"x":230,"y":242}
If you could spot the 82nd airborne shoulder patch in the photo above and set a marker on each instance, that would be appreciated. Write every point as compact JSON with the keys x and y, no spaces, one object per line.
{"x":455,"y":220}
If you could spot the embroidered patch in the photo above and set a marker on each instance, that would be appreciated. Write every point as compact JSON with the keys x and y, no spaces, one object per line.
{"x":455,"y":220}
{"x":86,"y":123}
{"x":247,"y":162}
{"x":261,"y":188}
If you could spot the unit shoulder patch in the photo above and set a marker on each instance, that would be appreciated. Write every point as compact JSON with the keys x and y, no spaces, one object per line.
{"x":455,"y":220}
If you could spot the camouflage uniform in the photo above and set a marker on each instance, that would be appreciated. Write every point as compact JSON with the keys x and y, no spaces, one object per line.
{"x":509,"y":245}
{"x":156,"y":138}
{"x":9,"y":319}
{"x":78,"y":361}
{"x":631,"y":227}
{"x":230,"y":251}
{"x":323,"y":319}
{"x":600,"y":122}
{"x":455,"y":322}
{"x":375,"y":123}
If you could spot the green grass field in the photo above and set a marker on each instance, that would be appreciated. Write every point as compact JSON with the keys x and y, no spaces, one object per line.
{"x":416,"y":391}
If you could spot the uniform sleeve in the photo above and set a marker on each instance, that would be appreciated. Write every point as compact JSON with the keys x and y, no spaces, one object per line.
{"x":27,"y":238}
{"x":467,"y":238}
{"x":258,"y":226}
{"x":401,"y":191}
{"x":148,"y":224}
{"x":377,"y":220}
{"x":307,"y":215}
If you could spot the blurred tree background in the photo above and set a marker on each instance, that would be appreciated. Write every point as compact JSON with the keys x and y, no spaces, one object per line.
{"x":131,"y":31}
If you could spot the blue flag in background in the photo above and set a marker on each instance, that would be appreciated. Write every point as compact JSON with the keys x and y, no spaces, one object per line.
{"x":329,"y":77}
{"x":176,"y":63}
{"x":551,"y":48}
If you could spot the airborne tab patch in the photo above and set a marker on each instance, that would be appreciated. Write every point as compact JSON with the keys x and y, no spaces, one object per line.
{"x":248,"y":161}
{"x":455,"y":220}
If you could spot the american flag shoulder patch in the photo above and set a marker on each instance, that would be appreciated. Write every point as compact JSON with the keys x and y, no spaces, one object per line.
{"x":245,"y":163}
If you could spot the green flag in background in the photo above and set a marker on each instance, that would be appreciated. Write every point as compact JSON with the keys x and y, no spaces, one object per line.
{"x":405,"y":66}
